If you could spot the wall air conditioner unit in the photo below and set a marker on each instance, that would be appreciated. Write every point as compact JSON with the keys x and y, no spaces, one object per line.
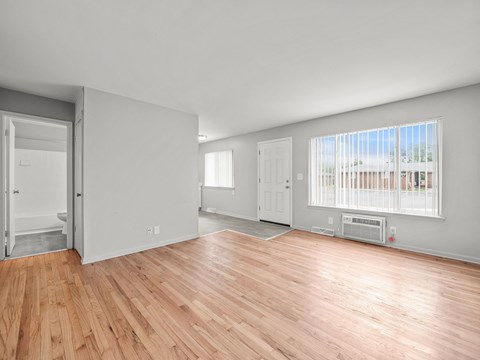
{"x":364,"y":228}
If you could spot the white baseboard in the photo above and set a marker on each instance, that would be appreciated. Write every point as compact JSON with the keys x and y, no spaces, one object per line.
{"x":136,"y":249}
{"x":442,"y":254}
{"x":415,"y":249}
{"x":236,"y":215}
{"x":38,"y":231}
{"x":300,"y":228}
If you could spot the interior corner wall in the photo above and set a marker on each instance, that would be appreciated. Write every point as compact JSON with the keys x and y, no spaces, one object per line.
{"x":140,"y":170}
{"x":79,"y":103}
{"x":23,"y":103}
{"x":455,"y":237}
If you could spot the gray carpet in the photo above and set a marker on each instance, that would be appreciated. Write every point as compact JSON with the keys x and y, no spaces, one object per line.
{"x":38,"y":243}
{"x":209,"y":223}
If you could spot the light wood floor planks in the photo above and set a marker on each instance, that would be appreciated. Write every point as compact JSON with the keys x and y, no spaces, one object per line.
{"x":229,"y":296}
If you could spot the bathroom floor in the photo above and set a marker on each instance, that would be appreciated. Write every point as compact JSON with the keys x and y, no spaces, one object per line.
{"x":32,"y":244}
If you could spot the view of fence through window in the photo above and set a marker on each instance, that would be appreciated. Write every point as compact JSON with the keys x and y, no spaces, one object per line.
{"x":394,"y":169}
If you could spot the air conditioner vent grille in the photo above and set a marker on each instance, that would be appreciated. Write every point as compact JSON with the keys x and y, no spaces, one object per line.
{"x":366,"y":221}
{"x":364,"y":228}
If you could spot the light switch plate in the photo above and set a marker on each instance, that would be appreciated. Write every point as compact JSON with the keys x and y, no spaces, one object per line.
{"x":156,"y":229}
{"x":299,"y":176}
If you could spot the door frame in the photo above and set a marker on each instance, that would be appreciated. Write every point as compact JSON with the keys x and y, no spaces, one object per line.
{"x":19,"y":117}
{"x":290,"y":141}
{"x":10,"y":185}
{"x":3,"y":184}
{"x":78,"y":118}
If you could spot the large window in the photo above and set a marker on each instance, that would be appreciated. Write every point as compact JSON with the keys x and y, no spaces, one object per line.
{"x":219,"y":169}
{"x":394,"y":169}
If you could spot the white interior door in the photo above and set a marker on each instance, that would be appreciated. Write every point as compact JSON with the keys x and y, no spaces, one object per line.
{"x":11,"y":191}
{"x":274,"y":164}
{"x":78,"y":223}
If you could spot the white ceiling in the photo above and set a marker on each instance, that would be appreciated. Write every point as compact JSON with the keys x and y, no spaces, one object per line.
{"x":242,"y":65}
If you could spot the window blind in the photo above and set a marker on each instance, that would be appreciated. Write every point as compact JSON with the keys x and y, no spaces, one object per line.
{"x":219,"y":169}
{"x":393,"y":169}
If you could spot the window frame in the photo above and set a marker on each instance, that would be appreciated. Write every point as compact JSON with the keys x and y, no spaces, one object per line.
{"x":205,"y":172}
{"x":439,"y":122}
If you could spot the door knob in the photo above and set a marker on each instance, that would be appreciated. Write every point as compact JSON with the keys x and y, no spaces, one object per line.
{"x":287,"y":187}
{"x":16,"y":191}
{"x":78,"y":194}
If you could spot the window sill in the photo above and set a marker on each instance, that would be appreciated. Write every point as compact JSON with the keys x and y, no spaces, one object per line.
{"x":218,"y":187}
{"x":374,"y":212}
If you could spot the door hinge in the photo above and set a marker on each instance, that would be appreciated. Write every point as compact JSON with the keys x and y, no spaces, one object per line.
{"x":259,"y":180}
{"x":6,"y":132}
{"x":259,"y":152}
{"x":259,"y":208}
{"x":6,"y":233}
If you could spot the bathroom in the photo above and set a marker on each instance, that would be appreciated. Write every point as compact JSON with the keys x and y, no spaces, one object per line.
{"x":39,"y":202}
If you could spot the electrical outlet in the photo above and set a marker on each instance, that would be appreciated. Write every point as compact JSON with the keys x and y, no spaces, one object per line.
{"x":330,"y":220}
{"x":156,"y":229}
{"x":393,"y":230}
{"x":149,"y":230}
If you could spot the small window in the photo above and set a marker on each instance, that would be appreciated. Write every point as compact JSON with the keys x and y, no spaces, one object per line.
{"x":219,"y":169}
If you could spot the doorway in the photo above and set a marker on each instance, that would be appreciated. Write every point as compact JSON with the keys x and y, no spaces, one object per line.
{"x":274,"y":181}
{"x":37,"y":179}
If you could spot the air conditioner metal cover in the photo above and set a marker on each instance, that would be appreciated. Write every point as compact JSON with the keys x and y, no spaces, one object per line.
{"x":364,"y":228}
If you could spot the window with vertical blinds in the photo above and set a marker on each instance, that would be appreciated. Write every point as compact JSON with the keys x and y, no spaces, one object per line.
{"x":394,"y":169}
{"x":219,"y":169}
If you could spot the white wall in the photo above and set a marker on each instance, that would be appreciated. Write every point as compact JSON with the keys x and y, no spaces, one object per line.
{"x":140,"y":169}
{"x":42,"y":182}
{"x":457,"y":236}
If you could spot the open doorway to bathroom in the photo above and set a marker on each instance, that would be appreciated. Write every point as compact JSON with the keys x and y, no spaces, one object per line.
{"x":36,"y":174}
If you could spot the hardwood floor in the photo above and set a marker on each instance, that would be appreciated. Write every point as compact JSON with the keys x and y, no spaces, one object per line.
{"x":228,"y":296}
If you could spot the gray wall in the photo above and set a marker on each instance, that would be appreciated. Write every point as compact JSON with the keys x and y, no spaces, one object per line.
{"x":458,"y":236}
{"x":19,"y":102}
{"x":140,"y":169}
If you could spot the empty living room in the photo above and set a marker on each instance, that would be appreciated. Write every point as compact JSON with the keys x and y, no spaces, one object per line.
{"x":269,"y":179}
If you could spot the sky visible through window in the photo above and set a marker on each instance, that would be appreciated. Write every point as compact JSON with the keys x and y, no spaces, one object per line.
{"x":412,"y":138}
